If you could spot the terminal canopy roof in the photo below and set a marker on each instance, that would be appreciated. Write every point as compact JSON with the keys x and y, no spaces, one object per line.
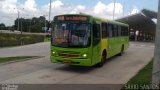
{"x":143,"y":21}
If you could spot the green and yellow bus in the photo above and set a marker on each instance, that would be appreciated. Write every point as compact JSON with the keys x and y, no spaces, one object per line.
{"x":84,"y":40}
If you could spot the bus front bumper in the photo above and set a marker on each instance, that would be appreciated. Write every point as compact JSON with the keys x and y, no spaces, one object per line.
{"x":71,"y":61}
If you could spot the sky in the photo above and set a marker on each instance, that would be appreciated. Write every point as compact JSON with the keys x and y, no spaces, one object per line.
{"x":100,"y":8}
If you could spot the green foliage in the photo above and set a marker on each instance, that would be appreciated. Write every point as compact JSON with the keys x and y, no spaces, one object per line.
{"x":36,"y":28}
{"x":18,"y":39}
{"x":2,"y":39}
{"x":32,"y":25}
{"x":2,"y":26}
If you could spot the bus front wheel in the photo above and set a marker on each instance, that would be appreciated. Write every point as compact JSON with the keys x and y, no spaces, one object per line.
{"x":103,"y":60}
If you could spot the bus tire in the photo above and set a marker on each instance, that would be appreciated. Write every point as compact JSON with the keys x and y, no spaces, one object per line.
{"x":103,"y":59}
{"x":122,"y":51}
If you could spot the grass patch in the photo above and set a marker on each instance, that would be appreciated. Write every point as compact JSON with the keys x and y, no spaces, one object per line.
{"x":8,"y":59}
{"x":13,"y":39}
{"x":142,"y":78}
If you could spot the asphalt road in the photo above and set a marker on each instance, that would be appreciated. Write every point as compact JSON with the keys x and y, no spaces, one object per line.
{"x":117,"y":70}
{"x":39,"y":49}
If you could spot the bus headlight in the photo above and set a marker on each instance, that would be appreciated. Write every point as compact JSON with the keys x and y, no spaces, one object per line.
{"x":85,"y":55}
{"x":53,"y":52}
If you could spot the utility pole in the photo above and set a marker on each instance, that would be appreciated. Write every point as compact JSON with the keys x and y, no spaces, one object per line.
{"x":156,"y":64}
{"x":50,"y":7}
{"x":114,"y":8}
{"x":21,"y":25}
{"x":123,"y":7}
{"x":18,"y":21}
{"x":18,"y":29}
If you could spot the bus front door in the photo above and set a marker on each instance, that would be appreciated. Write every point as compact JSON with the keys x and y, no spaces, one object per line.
{"x":96,"y":57}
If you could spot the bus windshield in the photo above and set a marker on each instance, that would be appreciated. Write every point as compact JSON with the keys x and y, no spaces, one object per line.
{"x":71,"y":35}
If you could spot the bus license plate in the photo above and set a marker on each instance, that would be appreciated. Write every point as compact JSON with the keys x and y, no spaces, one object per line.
{"x":67,"y":61}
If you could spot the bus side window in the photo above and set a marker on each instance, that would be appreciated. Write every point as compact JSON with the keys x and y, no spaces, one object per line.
{"x":119,"y":31}
{"x":115,"y":31}
{"x":96,"y":34}
{"x":126,"y":31}
{"x":104,"y":30}
{"x":122,"y":31}
{"x":110,"y":31}
{"x":106,"y":26}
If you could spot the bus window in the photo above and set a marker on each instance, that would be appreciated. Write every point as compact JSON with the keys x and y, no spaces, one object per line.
{"x":124,"y":31}
{"x":96,"y":34}
{"x":110,"y":33}
{"x":115,"y":31}
{"x":119,"y":30}
{"x":71,"y":35}
{"x":104,"y":30}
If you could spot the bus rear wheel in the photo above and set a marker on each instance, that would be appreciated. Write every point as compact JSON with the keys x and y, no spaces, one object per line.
{"x":122,"y":51}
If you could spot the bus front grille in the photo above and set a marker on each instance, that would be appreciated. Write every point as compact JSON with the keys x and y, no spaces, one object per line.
{"x":68,"y":54}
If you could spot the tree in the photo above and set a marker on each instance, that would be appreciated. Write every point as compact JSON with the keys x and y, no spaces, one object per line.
{"x":31,"y":25}
{"x":2,"y":26}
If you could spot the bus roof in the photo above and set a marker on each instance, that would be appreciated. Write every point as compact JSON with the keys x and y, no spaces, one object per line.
{"x":100,"y":19}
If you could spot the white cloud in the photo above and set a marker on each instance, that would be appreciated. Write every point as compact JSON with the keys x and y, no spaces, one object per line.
{"x":106,"y":10}
{"x":57,"y":4}
{"x":9,"y":10}
{"x":118,"y":8}
{"x":78,"y":9}
{"x":100,"y":8}
{"x":81,"y":7}
{"x":7,"y":6}
{"x":134,"y":11}
{"x":7,"y":13}
{"x":58,"y":7}
{"x":30,"y":5}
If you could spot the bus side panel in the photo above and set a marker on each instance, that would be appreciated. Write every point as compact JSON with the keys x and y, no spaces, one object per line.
{"x":115,"y":45}
{"x":126,"y":42}
{"x":118,"y":45}
{"x":111,"y":46}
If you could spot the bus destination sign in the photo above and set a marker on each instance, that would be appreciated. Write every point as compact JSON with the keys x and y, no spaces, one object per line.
{"x":71,"y":18}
